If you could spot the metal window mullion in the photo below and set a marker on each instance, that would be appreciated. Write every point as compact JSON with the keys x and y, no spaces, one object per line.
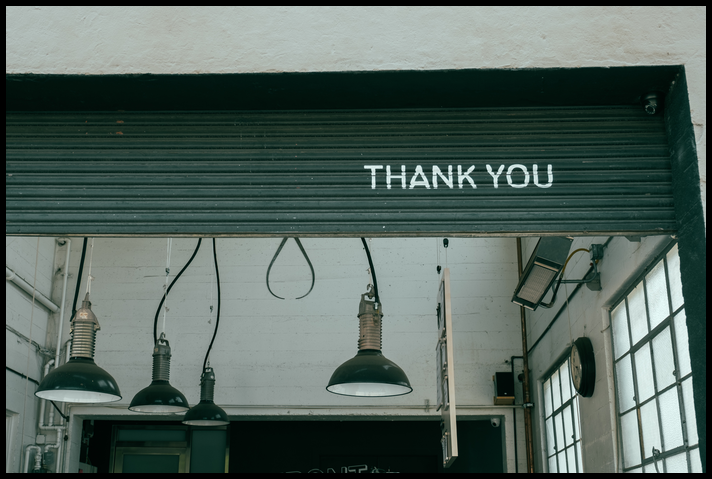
{"x":561,"y":415}
{"x":573,"y":424}
{"x":635,"y":385}
{"x":678,"y":380}
{"x":553,"y":421}
{"x":553,"y":411}
{"x":615,"y":383}
{"x":649,"y":340}
{"x":579,"y":467}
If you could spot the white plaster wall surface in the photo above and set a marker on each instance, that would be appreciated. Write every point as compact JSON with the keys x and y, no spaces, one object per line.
{"x":102,"y":40}
{"x":586,"y":315}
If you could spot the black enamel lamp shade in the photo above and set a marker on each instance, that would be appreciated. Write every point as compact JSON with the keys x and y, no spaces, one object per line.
{"x":79,"y":380}
{"x":206,"y":413}
{"x":159,"y":397}
{"x":369,"y":373}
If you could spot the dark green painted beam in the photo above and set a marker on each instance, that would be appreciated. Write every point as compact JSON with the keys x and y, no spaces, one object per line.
{"x":469,"y":88}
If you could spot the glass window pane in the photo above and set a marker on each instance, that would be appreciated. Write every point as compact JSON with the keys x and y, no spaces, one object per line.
{"x":578,"y":455}
{"x":565,"y":378}
{"x":559,"y":431}
{"x":682,"y":344}
{"x":695,"y":463}
{"x":670,"y":419}
{"x":658,"y":306}
{"x":619,"y":323}
{"x":644,"y":373}
{"x":676,"y":463}
{"x":550,"y":449}
{"x":662,"y":356}
{"x":624,"y":378}
{"x":568,"y":426}
{"x":631,"y":439}
{"x":561,"y":458}
{"x":673,"y":264}
{"x":552,"y":464}
{"x":556,"y":390}
{"x":690,"y":418}
{"x":636,"y":311}
{"x":651,"y":429}
{"x":571,"y":459}
{"x":547,"y":398}
{"x":577,"y":433}
{"x":650,"y":468}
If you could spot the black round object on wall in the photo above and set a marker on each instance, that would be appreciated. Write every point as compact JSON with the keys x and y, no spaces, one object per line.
{"x":583,"y":367}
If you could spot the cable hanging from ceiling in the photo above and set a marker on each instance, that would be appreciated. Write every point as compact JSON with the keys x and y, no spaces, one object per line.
{"x":160,"y":397}
{"x":369,"y":373}
{"x":206,"y":412}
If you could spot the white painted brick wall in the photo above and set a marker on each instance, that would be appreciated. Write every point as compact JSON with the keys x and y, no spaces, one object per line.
{"x":272,"y":352}
{"x":21,"y":256}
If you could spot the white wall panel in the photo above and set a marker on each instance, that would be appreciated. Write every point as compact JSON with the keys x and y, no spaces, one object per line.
{"x":30,"y":323}
{"x":586,"y":315}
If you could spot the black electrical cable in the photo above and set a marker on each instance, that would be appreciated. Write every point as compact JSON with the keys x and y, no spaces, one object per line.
{"x":155,"y":321}
{"x":373,"y":271}
{"x":217,"y":321}
{"x":66,"y":418}
{"x":79,"y":279}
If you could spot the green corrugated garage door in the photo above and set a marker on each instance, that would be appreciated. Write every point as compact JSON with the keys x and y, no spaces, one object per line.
{"x":377,"y":172}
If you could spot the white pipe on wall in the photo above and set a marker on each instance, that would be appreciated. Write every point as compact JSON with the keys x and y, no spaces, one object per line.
{"x":38,"y":457}
{"x":59,"y":430}
{"x":27,"y":288}
{"x":50,"y":425}
{"x":61,"y":242}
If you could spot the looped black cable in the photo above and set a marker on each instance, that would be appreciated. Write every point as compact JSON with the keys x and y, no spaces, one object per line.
{"x":155,"y":320}
{"x":281,"y":245}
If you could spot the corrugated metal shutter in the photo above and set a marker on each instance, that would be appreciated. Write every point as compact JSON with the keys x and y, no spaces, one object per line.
{"x":326,"y":172}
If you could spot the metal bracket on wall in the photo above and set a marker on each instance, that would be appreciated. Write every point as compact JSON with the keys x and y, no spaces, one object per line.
{"x":592,"y":282}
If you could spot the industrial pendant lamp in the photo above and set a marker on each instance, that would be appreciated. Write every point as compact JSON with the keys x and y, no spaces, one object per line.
{"x":369,"y":373}
{"x":80,"y":379}
{"x":160,"y":397}
{"x":207,"y":413}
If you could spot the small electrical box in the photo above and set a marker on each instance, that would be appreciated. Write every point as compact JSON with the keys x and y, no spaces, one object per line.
{"x":503,"y":388}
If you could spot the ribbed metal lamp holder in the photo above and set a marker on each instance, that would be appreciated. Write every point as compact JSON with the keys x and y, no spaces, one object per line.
{"x":83,"y":330}
{"x":207,"y":384}
{"x":162,"y":359}
{"x":370,"y":315}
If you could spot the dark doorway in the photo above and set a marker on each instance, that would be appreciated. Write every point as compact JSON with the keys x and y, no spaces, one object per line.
{"x":334,"y":446}
{"x":360,"y":446}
